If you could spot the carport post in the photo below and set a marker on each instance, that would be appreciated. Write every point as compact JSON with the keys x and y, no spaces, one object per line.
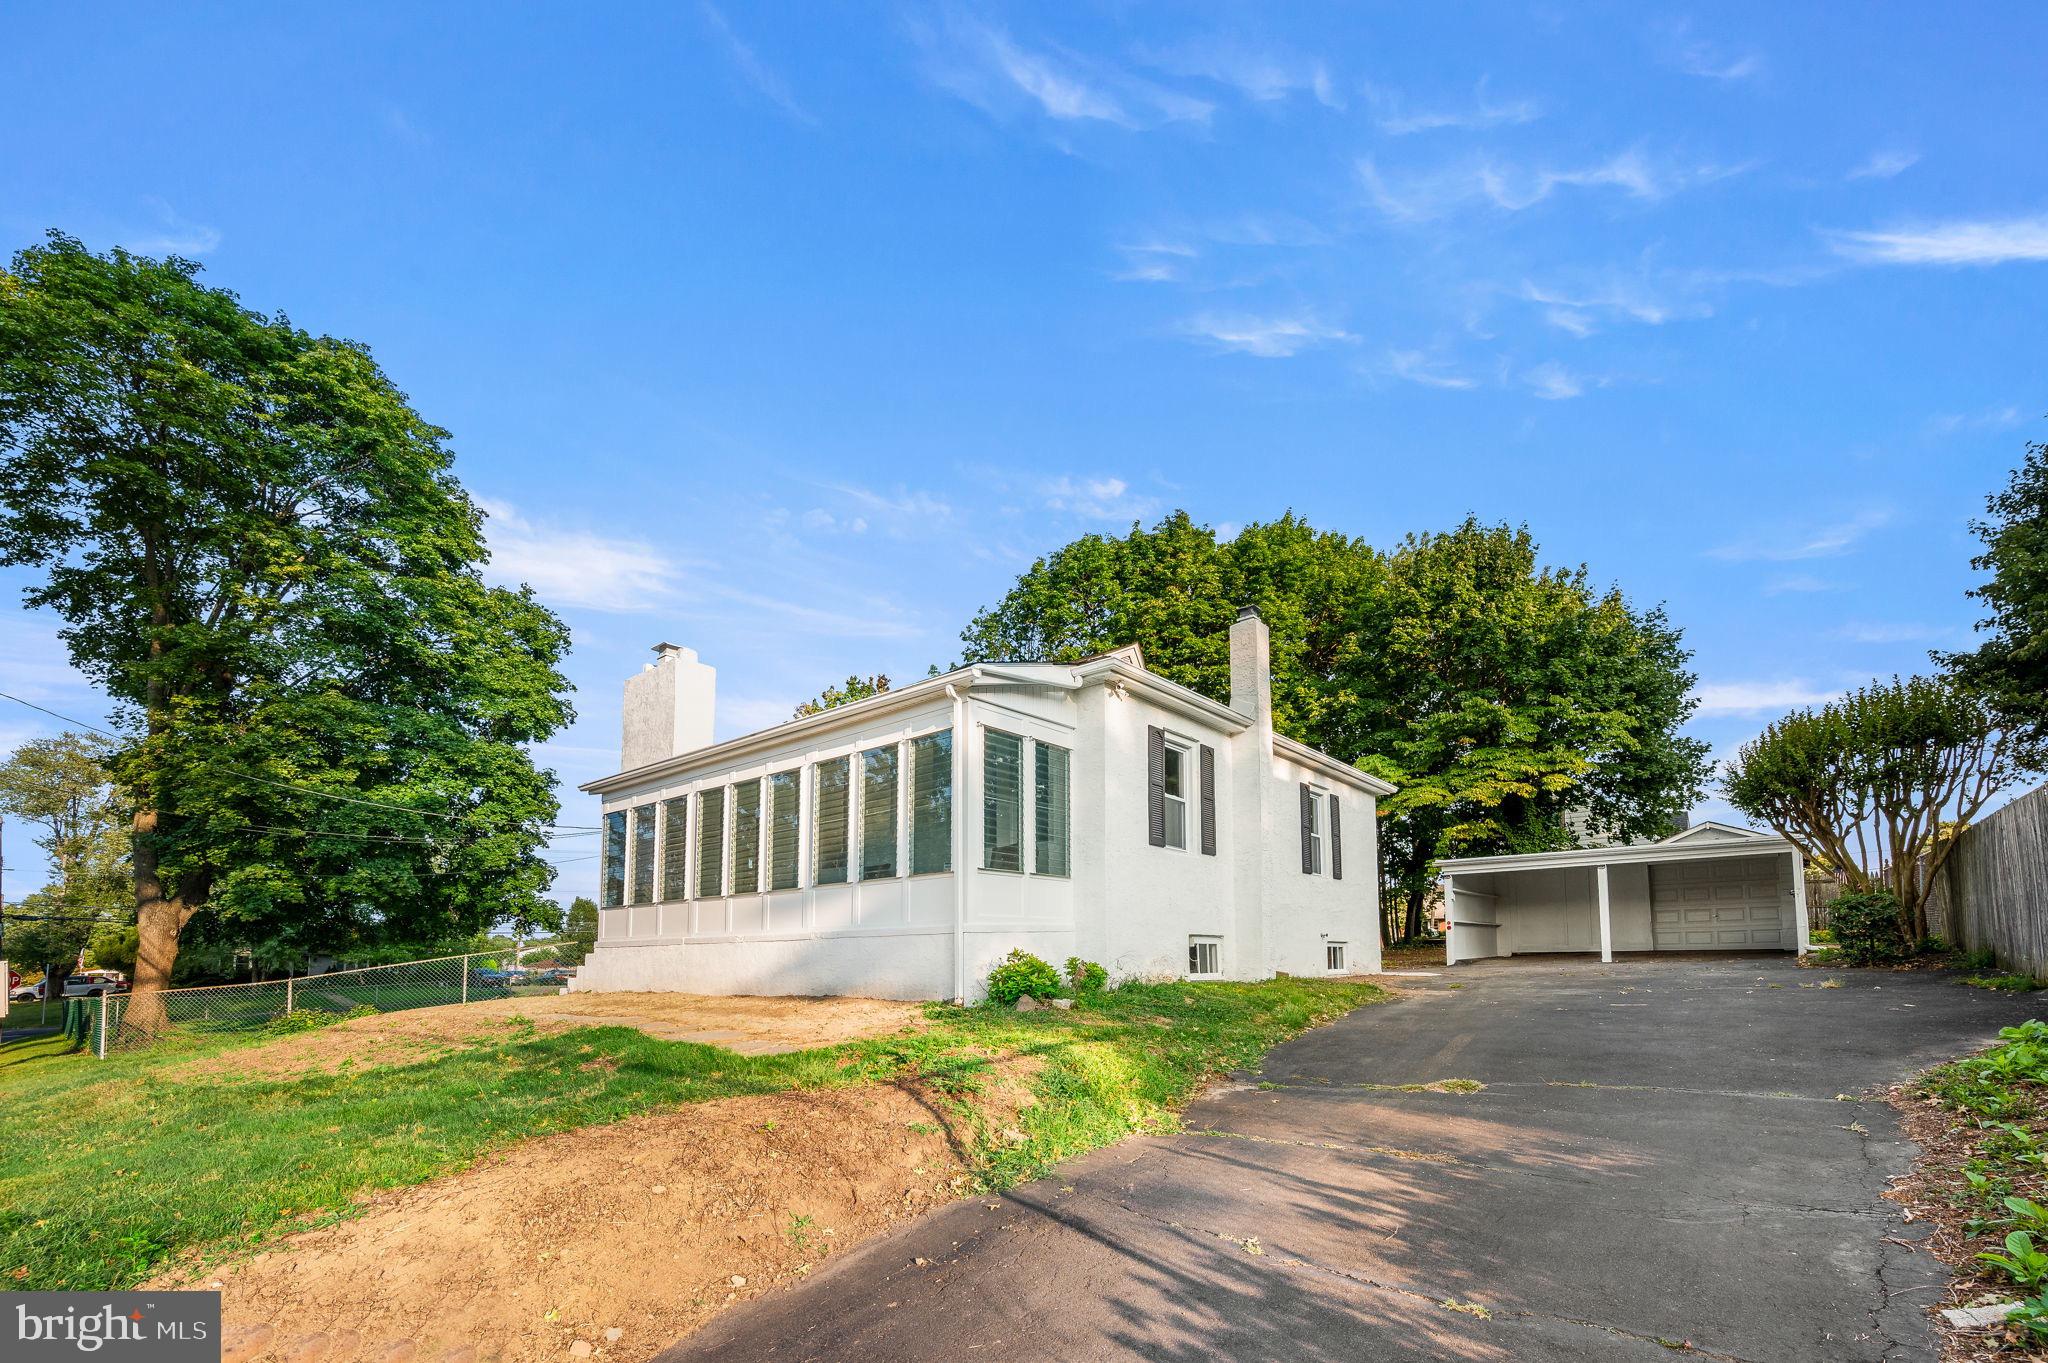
{"x":1801,"y":942}
{"x":1606,"y":917}
{"x":1450,"y":920}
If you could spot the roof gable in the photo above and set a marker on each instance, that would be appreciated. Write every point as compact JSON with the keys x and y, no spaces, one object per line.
{"x":1708,"y":830}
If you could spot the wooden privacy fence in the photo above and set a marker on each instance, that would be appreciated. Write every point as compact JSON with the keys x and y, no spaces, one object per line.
{"x":1993,"y":891}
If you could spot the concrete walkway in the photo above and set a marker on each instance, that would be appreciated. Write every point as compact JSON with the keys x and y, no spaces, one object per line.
{"x":1658,"y":1157}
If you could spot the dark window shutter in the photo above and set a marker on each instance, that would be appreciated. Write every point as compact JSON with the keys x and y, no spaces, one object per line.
{"x":1208,"y":801}
{"x":1155,"y":761}
{"x":1336,"y":838}
{"x":1308,"y":815}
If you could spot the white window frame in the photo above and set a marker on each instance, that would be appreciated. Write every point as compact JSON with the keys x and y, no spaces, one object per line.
{"x":1343,"y":950}
{"x":1190,"y":763}
{"x":1318,"y":820}
{"x":1196,"y":943}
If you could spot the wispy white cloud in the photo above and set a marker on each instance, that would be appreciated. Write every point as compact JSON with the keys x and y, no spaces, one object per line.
{"x":1416,"y":367}
{"x":1799,"y":582}
{"x":1396,"y":118}
{"x":751,"y":714}
{"x":172,"y":234}
{"x":1430,"y":195}
{"x":568,"y":567}
{"x":1267,"y":337}
{"x":2002,"y":418}
{"x":982,"y":64}
{"x":1989,"y":241}
{"x":1758,"y":697}
{"x":1825,"y":541}
{"x":1618,"y":296}
{"x":752,"y":69}
{"x":1697,"y":57}
{"x":1155,"y":262}
{"x":1880,"y":632}
{"x":1097,"y":498}
{"x":1265,"y":74}
{"x":1552,"y":382}
{"x":1883,"y":164}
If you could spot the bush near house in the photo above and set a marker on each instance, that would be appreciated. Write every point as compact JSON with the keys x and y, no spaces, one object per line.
{"x":206,"y":1160}
{"x":1021,"y":974}
{"x":1865,"y":924}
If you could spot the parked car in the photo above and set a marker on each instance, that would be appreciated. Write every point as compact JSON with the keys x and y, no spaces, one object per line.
{"x":26,"y":993}
{"x":549,"y":975}
{"x":487,"y":982}
{"x":95,"y":983}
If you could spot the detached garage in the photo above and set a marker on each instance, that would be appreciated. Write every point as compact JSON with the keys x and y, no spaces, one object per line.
{"x":1711,"y":887}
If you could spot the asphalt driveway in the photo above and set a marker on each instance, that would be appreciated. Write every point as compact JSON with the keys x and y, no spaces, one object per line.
{"x":1659,"y":1156}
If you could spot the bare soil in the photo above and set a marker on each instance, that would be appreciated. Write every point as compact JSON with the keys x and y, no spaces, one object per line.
{"x":608,"y":1242}
{"x":746,"y":1024}
{"x":1948,"y":1141}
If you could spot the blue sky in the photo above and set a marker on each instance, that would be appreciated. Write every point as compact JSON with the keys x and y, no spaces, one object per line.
{"x":794,"y":333}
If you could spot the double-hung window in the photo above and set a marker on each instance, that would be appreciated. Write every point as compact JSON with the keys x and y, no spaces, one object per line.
{"x":1052,"y":766}
{"x":783,"y":814}
{"x":614,"y":891}
{"x":931,"y":803}
{"x":830,"y":820}
{"x":878,"y":812}
{"x":1002,"y":803}
{"x":1314,"y":820}
{"x":711,"y":843}
{"x":746,"y":837}
{"x":643,"y":854}
{"x":1179,"y":769}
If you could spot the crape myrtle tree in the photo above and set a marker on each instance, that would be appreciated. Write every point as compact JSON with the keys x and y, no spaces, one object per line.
{"x":258,"y":549}
{"x":1877,"y":783}
{"x":1515,"y":706}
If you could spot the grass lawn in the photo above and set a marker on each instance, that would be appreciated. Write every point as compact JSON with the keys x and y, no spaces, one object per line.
{"x":151,"y":1159}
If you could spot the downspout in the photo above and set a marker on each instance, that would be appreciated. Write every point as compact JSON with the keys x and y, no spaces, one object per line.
{"x":961,"y":739}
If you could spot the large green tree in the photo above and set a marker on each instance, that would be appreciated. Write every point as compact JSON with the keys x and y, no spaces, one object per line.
{"x":60,"y":786}
{"x":1516,"y":705}
{"x":259,"y":550}
{"x":2010,"y":668}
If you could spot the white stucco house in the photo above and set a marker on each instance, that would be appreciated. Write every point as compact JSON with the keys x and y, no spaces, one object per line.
{"x":1710,"y":887}
{"x":897,"y":847}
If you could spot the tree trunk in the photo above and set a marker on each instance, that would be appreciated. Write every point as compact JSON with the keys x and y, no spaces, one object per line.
{"x":1412,"y":929}
{"x":158,"y":922}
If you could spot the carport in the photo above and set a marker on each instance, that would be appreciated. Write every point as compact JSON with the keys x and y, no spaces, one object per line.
{"x":1711,"y":887}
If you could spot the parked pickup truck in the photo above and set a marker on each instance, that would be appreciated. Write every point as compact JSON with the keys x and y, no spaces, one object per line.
{"x":94,"y":983}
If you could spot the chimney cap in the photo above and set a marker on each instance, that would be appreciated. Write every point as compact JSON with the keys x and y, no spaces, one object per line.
{"x":663,"y":650}
{"x":1247,"y":612}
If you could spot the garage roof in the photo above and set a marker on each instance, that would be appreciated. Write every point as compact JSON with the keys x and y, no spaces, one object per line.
{"x":1701,"y":842}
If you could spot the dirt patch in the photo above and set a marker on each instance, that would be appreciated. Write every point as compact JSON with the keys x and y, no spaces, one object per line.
{"x":1948,"y":1141}
{"x":749,"y":1025}
{"x":624,"y":1237}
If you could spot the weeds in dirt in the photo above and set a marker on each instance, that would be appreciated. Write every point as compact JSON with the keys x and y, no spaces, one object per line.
{"x":219,"y":1161}
{"x":2011,"y":984}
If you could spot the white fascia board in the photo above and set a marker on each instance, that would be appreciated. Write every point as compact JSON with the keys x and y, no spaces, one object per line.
{"x":1615,"y":856}
{"x":839,"y":716}
{"x":1160,"y":691}
{"x":1330,"y":766}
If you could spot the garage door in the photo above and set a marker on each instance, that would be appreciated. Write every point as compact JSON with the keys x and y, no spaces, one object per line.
{"x":1730,"y":905}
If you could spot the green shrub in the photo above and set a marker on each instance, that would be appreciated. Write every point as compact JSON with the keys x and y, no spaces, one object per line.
{"x":1866,"y":927}
{"x":1018,"y":974}
{"x":1085,"y":977}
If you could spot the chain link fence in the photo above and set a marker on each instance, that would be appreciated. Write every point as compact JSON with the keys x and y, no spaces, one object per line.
{"x":127,"y":1022}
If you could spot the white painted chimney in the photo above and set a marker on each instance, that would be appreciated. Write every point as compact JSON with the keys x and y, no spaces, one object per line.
{"x":1251,"y":666}
{"x":669,"y":707}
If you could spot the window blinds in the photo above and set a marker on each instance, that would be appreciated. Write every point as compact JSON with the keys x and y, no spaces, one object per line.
{"x":746,"y":837}
{"x":675,"y":848}
{"x":1052,"y":825}
{"x":782,"y":834}
{"x":931,"y":803}
{"x":878,"y":813}
{"x":643,"y":854}
{"x":1002,"y":757}
{"x":829,"y":821}
{"x":614,"y":893}
{"x":711,"y":843}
